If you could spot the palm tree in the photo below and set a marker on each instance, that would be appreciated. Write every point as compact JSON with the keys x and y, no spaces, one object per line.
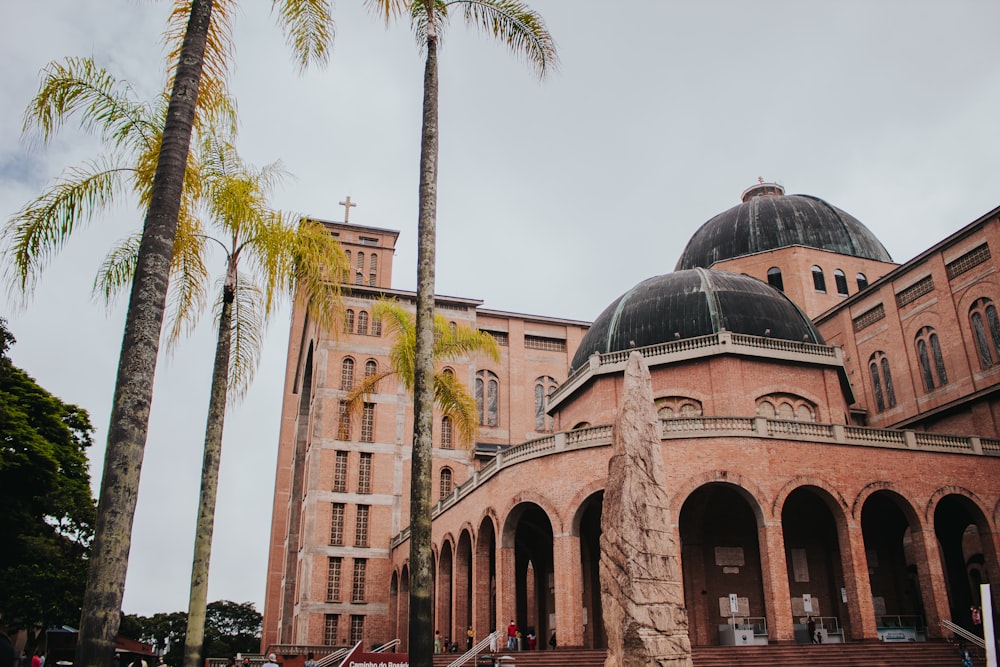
{"x":450,"y":343}
{"x":523,"y":30}
{"x":284,"y":258}
{"x":204,"y":46}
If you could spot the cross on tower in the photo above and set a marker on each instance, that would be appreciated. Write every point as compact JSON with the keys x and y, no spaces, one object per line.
{"x":347,"y":204}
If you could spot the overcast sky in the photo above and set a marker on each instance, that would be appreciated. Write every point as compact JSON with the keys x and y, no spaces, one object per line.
{"x":555,"y":197}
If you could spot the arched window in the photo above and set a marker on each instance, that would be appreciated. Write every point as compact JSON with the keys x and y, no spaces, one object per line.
{"x":786,"y":406}
{"x":371,"y":368}
{"x":819,"y":281}
{"x":347,"y":268}
{"x":349,"y":321}
{"x":376,"y":327}
{"x":347,"y":374}
{"x":363,"y":323}
{"x":359,"y":277}
{"x":445,"y":486}
{"x":885,"y":395}
{"x":986,"y":330}
{"x":841,"y":279}
{"x":544,"y":386}
{"x":446,"y":437}
{"x":488,"y":398}
{"x":930,"y":358}
{"x":774,"y":278}
{"x":862,"y":281}
{"x":372,"y":269}
{"x":677,"y":406}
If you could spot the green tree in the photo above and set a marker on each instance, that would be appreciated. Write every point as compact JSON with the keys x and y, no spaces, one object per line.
{"x":283,"y":256}
{"x":45,"y":499}
{"x":230,"y":628}
{"x":450,"y":344}
{"x":523,"y":30}
{"x":203,"y":50}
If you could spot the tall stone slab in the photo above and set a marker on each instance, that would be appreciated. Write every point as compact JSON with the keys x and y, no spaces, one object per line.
{"x":641,"y":590}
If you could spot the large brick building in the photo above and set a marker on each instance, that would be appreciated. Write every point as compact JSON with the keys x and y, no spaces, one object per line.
{"x":830,"y":434}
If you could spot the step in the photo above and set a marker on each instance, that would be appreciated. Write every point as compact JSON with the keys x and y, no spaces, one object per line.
{"x":861,"y":654}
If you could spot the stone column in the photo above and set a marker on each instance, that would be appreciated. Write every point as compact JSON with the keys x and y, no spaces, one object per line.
{"x":569,"y":592}
{"x":506,"y":589}
{"x":930,"y":574}
{"x":854,"y":562}
{"x":774,"y":570}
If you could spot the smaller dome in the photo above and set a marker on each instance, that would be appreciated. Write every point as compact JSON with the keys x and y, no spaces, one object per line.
{"x":768,"y":219}
{"x":692,"y":303}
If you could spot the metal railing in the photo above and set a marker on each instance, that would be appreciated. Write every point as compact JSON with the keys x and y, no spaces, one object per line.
{"x":475,"y":650}
{"x":959,"y":631}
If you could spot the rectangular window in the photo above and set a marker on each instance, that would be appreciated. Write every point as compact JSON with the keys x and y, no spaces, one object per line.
{"x":365,"y":473}
{"x":367,"y":240}
{"x":344,"y":423}
{"x":368,"y":423}
{"x":340,"y":473}
{"x":915,"y":291}
{"x":333,"y":579}
{"x":543,"y":343}
{"x":337,"y":525}
{"x":331,"y":621}
{"x":869,"y":317}
{"x":361,"y":526}
{"x":973,"y":258}
{"x":358,"y":588}
{"x":500,"y":337}
{"x":357,"y":629}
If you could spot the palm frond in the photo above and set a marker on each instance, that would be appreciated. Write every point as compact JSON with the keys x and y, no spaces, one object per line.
{"x":516,"y":25}
{"x":453,"y":397}
{"x":386,"y":9}
{"x":356,"y":398}
{"x":104,"y":105}
{"x":38,"y":231}
{"x":454,"y":342}
{"x":318,"y":262}
{"x":308,"y":28}
{"x":189,"y":280}
{"x":218,"y":53}
{"x":117,"y":269}
{"x":419,"y":21}
{"x":247,"y":336}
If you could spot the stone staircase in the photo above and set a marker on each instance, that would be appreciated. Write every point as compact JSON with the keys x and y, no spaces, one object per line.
{"x":864,"y":654}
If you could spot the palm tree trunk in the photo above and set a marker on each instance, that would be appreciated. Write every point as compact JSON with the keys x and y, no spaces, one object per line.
{"x":421,"y":632}
{"x":101,"y":611}
{"x":194,"y":640}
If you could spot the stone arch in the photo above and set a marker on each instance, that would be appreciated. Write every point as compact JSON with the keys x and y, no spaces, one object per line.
{"x":586,"y":528}
{"x":832,"y":494}
{"x":443,"y":589}
{"x":528,"y":562}
{"x":722,"y":540}
{"x":906,"y":505}
{"x":897,"y":546}
{"x":462,"y":596}
{"x":968,"y":553}
{"x":522,"y":498}
{"x":752,"y":493}
{"x":484,"y":558}
{"x":815,"y":526}
{"x":576,"y":503}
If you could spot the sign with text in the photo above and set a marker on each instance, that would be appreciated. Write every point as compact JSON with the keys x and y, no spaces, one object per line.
{"x":359,"y":658}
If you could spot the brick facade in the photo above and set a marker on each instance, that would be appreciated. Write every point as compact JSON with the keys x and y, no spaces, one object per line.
{"x":790,"y":486}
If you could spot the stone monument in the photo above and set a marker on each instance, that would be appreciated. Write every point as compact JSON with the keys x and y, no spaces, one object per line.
{"x":641,"y":590}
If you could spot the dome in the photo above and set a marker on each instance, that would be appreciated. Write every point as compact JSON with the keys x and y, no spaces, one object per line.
{"x":769,"y":219}
{"x":691,"y":303}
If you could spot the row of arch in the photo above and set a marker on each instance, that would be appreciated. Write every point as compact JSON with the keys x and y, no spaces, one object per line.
{"x":861,"y":561}
{"x":363,"y":321}
{"x":775,"y":279}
